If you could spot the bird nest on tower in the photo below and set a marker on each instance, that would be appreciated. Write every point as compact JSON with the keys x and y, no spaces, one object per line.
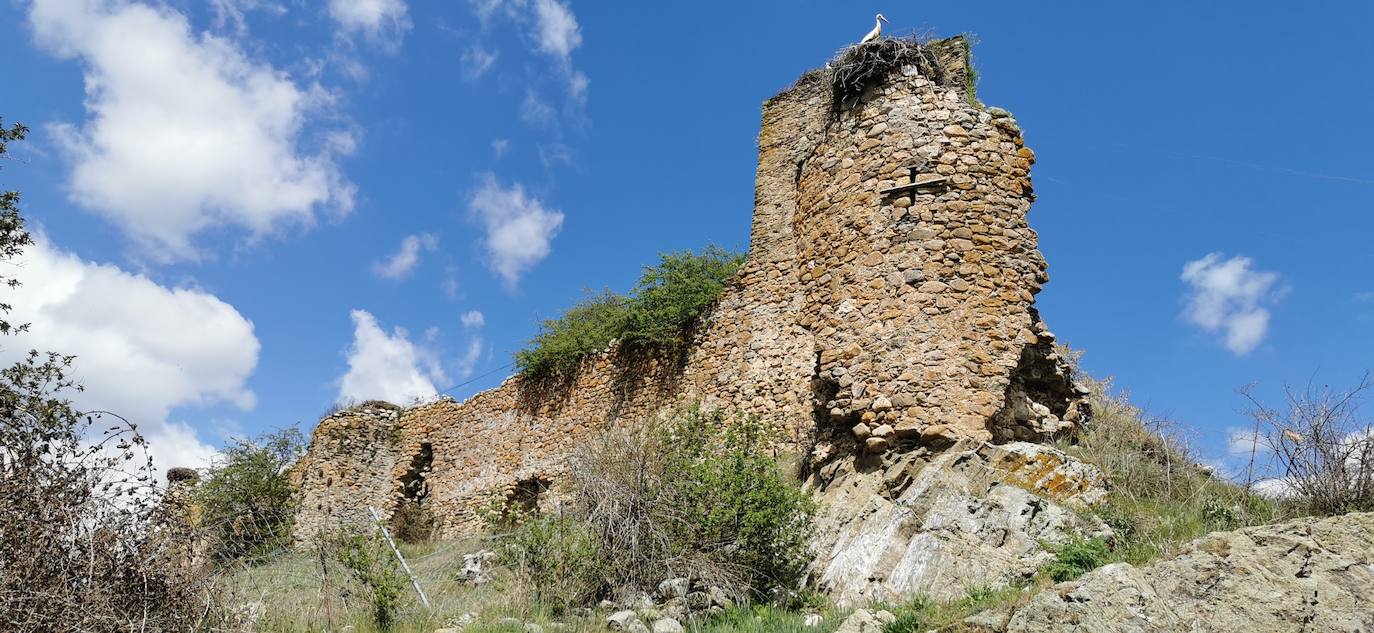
{"x":857,"y":68}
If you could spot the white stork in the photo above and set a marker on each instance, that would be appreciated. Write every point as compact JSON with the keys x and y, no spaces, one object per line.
{"x":876,"y":32}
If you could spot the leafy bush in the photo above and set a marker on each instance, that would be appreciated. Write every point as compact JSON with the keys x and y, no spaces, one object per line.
{"x":585,"y":329}
{"x":557,"y":560}
{"x":671,"y":296}
{"x":695,"y":495}
{"x":692,"y":495}
{"x":371,"y":564}
{"x":1075,"y":558}
{"x":246,"y":499}
{"x":668,"y":299}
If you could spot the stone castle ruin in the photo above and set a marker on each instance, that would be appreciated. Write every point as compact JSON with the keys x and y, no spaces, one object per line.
{"x":884,"y":319}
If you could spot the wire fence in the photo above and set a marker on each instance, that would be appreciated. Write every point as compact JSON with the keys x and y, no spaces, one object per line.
{"x":343,"y":579}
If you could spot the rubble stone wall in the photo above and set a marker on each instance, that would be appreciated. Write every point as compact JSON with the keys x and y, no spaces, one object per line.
{"x":863,"y":320}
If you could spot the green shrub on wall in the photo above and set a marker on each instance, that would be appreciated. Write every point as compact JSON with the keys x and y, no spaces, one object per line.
{"x":585,"y":329}
{"x":671,"y":296}
{"x":661,"y":310}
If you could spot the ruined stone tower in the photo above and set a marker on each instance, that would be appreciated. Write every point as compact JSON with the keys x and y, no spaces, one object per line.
{"x":886,"y":306}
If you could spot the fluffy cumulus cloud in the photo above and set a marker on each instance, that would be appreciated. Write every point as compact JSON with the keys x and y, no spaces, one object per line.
{"x":185,"y":133}
{"x":400,"y":264}
{"x":387,"y":366}
{"x":519,"y":229}
{"x":1230,"y":298}
{"x":383,"y":21}
{"x":143,"y":349}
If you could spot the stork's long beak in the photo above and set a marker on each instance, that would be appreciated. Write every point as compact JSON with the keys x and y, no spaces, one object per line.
{"x":882,"y":18}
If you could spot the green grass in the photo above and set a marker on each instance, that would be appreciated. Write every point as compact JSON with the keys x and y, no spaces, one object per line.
{"x":922,"y":614}
{"x":1078,"y":557}
{"x":1160,"y":497}
{"x":764,"y":619}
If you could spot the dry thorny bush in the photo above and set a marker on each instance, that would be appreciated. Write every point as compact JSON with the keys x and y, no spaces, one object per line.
{"x":1319,"y":447}
{"x":86,"y":543}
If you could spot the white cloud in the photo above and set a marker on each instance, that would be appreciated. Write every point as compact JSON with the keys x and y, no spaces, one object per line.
{"x":1229,"y":297}
{"x":382,"y":21}
{"x":142,"y":349}
{"x":185,"y":133}
{"x":553,"y":28}
{"x":450,"y":283}
{"x":487,"y":8}
{"x":1240,"y":442}
{"x":468,"y":363}
{"x":500,"y":147}
{"x":1275,"y":488}
{"x":403,"y":262}
{"x":386,"y":366}
{"x":234,"y":13}
{"x":553,"y":154}
{"x":537,"y":112}
{"x":518,"y":227}
{"x":477,"y":61}
{"x":557,"y":29}
{"x":473,"y":319}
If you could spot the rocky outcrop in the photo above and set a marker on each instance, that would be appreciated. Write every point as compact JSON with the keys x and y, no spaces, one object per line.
{"x":1303,"y":575}
{"x":940,"y":523}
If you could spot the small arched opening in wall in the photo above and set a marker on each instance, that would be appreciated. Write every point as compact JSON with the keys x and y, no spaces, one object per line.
{"x":523,"y":499}
{"x":413,"y":522}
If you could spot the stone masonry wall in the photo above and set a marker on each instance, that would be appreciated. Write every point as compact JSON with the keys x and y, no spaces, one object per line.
{"x":861,"y":321}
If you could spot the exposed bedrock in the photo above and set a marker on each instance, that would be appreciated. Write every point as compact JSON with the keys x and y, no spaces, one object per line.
{"x":1302,"y":575}
{"x":941,"y":523}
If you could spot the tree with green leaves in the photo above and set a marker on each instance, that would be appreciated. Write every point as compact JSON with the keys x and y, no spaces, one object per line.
{"x":245,"y":501}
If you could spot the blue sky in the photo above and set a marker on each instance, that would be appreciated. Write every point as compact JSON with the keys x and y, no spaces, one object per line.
{"x":250,"y":209}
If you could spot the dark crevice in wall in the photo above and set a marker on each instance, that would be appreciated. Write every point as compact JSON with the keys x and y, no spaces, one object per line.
{"x":413,"y":522}
{"x":524,"y":498}
{"x":1042,"y":401}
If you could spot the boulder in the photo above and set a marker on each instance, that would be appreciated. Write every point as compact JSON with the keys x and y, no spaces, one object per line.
{"x":622,"y":620}
{"x":674,"y":588}
{"x":1301,"y":575}
{"x":668,"y":625}
{"x":865,"y":621}
{"x":975,"y":514}
{"x":475,"y":567}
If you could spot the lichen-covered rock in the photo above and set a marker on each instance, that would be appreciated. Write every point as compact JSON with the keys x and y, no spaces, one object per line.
{"x":972,"y":515}
{"x":1302,"y":575}
{"x":865,"y":621}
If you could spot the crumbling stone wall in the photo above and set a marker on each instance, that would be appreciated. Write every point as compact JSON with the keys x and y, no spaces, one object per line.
{"x":865,"y":319}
